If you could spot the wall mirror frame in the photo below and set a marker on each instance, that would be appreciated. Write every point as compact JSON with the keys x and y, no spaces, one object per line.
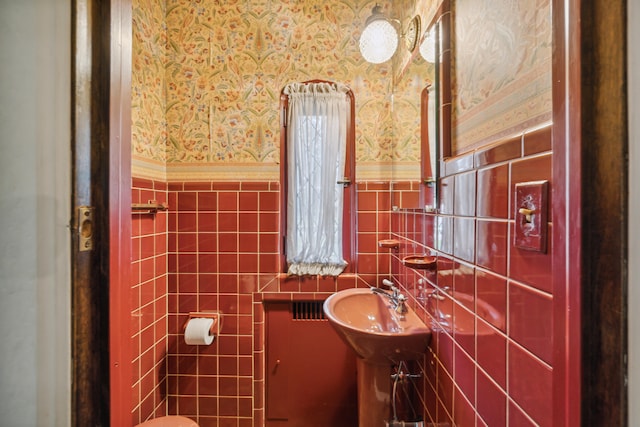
{"x":418,"y":188}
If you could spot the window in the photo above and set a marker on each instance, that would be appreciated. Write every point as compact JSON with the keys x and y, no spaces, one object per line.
{"x":320,"y":179}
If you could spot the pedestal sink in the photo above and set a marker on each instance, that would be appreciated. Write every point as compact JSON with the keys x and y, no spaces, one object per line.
{"x":380,"y":337}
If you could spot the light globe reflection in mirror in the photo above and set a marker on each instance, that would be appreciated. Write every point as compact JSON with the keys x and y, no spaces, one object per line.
{"x":428,"y":48}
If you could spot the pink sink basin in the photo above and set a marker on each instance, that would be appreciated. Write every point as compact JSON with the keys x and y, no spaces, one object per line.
{"x":368,"y":323}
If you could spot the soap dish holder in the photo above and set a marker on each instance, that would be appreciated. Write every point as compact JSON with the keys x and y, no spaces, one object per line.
{"x":420,"y":262}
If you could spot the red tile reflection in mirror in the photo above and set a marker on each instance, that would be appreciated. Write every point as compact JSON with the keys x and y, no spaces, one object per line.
{"x":445,"y":194}
{"x":464,"y":238}
{"x":493,"y":196}
{"x":492,"y":245}
{"x":464,"y":283}
{"x":465,"y":194}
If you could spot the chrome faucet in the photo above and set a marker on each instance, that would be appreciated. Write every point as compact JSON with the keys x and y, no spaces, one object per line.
{"x":398,"y":300}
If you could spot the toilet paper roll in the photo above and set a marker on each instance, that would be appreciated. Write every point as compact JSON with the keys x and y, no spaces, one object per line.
{"x":197,"y":331}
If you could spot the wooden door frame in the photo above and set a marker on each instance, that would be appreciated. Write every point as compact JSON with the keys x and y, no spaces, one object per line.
{"x":590,"y":145}
{"x":101,"y":178}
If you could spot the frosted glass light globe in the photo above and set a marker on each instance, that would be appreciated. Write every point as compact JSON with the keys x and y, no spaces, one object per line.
{"x":428,"y":48}
{"x":378,"y":41}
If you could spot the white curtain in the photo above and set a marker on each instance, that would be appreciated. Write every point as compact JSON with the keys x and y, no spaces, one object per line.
{"x":316,"y":147}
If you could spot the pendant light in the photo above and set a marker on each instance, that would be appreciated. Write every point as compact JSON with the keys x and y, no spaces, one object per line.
{"x":379,"y":39}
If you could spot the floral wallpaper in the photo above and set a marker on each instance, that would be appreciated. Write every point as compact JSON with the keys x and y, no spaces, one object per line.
{"x":226,"y":63}
{"x":502,"y":73}
{"x":148,"y":103}
{"x":207,"y":77}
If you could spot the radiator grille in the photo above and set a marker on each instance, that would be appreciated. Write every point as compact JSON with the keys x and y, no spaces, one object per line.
{"x":307,"y":310}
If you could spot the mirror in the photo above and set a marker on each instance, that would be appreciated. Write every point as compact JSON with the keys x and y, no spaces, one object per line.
{"x":421,"y":111}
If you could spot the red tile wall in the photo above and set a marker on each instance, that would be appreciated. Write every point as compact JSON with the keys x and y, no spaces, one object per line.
{"x":223,"y":247}
{"x":489,"y":363}
{"x":217,"y":248}
{"x":213,"y":250}
{"x":148,"y":303}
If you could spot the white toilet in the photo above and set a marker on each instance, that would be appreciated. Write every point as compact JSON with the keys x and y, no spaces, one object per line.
{"x":169,"y":421}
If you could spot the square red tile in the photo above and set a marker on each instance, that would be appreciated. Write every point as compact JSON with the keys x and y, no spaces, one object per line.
{"x":530,"y":267}
{"x":187,"y":242}
{"x":530,"y":385}
{"x":367,"y":222}
{"x":505,"y":150}
{"x":491,"y":402}
{"x":517,"y":418}
{"x":268,"y":263}
{"x":187,"y":222}
{"x":248,"y":242}
{"x":465,"y":374}
{"x":207,"y":222}
{"x":537,"y":141}
{"x":531,"y":319}
{"x":248,"y":263}
{"x":464,"y":413}
{"x":269,"y":222}
{"x":367,"y":201}
{"x":207,"y":406}
{"x":228,"y":201}
{"x":228,"y":221}
{"x":268,"y":242}
{"x":248,"y":201}
{"x":491,"y":352}
{"x":492,"y":299}
{"x":187,"y":201}
{"x":248,"y":222}
{"x":268,"y":201}
{"x":207,"y":201}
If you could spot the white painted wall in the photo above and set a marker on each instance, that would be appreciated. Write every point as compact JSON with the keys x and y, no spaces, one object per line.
{"x":35,"y":199}
{"x":633,"y":35}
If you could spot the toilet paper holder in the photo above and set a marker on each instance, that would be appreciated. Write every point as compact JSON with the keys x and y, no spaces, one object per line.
{"x":215,"y":326}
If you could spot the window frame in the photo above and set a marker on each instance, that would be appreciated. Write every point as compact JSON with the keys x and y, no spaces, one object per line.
{"x":349,"y":208}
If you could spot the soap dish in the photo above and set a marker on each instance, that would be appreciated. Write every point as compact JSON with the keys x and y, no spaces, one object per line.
{"x":420,"y":262}
{"x":389,"y":243}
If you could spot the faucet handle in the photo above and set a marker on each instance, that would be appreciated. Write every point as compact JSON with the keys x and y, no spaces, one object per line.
{"x":387,"y":282}
{"x":396,"y":291}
